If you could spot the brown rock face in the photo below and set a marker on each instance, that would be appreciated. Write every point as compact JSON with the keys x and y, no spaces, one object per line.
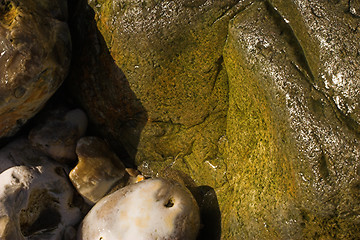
{"x":35,"y":50}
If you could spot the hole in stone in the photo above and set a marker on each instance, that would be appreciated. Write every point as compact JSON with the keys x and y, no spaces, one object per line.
{"x":169,"y":203}
{"x":323,"y":167}
{"x":48,"y":219}
{"x":59,"y":171}
{"x":40,"y":215}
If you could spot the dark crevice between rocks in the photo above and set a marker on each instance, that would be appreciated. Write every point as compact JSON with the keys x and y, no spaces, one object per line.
{"x":92,"y":60}
{"x":302,"y":66}
{"x":301,"y":62}
{"x":206,"y":199}
{"x":219,"y":66}
{"x":209,"y":213}
{"x":234,"y":9}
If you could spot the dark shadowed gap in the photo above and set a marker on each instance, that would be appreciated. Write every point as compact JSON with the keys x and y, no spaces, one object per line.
{"x":92,"y":65}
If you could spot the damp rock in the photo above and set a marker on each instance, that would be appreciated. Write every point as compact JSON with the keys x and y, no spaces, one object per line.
{"x":35,"y":50}
{"x":35,"y":195}
{"x":293,"y":122}
{"x":157,"y":78}
{"x":57,"y":135}
{"x":151,"y":209}
{"x":98,"y":169}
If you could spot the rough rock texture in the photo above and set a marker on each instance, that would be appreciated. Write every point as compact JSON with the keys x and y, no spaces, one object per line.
{"x":35,"y":50}
{"x":152,"y":209}
{"x":293,"y":122}
{"x":35,"y":196}
{"x":271,"y":121}
{"x":98,"y":169}
{"x":167,"y":81}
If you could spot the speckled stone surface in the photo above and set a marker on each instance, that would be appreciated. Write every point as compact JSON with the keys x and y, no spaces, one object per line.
{"x":35,"y":49}
{"x":35,"y":196}
{"x":258,"y":100}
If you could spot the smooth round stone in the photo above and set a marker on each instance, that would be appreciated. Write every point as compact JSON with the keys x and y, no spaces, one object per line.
{"x":98,"y":169}
{"x":151,"y":209}
{"x":58,"y":136}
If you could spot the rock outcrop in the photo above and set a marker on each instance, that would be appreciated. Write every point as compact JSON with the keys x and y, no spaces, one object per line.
{"x":293,"y":120}
{"x":257,"y":99}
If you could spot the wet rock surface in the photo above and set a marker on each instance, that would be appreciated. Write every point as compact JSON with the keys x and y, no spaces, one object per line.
{"x":270,"y":120}
{"x":293,"y":137}
{"x":98,"y":169}
{"x":168,"y":81}
{"x":252,"y":105}
{"x":35,"y":56}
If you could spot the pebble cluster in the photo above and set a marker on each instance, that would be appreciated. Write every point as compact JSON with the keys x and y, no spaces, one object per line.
{"x":41,"y":197}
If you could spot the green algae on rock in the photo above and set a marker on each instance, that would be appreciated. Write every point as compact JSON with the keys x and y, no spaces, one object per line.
{"x":270,"y":122}
{"x":296,"y":157}
{"x":35,"y":56}
{"x":168,"y":82}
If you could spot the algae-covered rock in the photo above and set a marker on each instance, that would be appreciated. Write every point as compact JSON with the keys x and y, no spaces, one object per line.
{"x":34,"y":58}
{"x":163,"y":61}
{"x":270,"y":122}
{"x":293,"y":150}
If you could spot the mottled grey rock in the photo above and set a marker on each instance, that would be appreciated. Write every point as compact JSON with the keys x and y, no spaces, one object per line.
{"x":35,"y":54}
{"x":58,"y":133}
{"x":35,"y":195}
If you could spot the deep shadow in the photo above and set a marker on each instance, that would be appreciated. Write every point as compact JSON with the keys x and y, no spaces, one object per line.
{"x":206,"y":199}
{"x":209,"y":213}
{"x":93,"y":72}
{"x":101,"y":88}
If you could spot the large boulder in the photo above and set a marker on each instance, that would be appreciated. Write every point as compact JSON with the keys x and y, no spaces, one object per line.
{"x":292,"y":124}
{"x":152,"y":83}
{"x":271,"y":121}
{"x":35,"y":51}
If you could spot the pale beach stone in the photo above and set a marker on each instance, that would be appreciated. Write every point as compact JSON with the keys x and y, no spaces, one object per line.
{"x":151,"y":209}
{"x":35,"y":195}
